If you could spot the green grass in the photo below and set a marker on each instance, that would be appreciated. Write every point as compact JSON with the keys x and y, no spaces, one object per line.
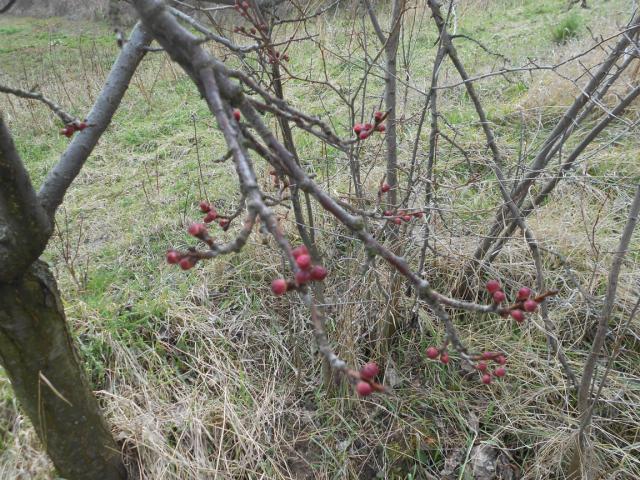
{"x":568,"y":28}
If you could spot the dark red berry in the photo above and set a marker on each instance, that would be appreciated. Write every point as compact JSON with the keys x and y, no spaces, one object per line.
{"x":186,"y":263}
{"x":432,"y":353}
{"x":197,"y":229}
{"x":418,"y":214}
{"x":236,"y":114}
{"x":381,"y":128}
{"x":486,"y":379}
{"x":211,"y":216}
{"x":301,"y":250}
{"x":368,"y":127}
{"x":369,"y":371}
{"x":318,"y":273}
{"x":530,"y":305}
{"x":517,"y":315}
{"x":387,"y":213}
{"x":279,"y":286}
{"x":205,"y":206}
{"x":173,"y":257}
{"x":82,"y":125}
{"x":481,"y":366}
{"x":406,"y":218}
{"x":302,"y":277}
{"x":363,"y":135}
{"x":378,"y":116}
{"x":224,"y":223}
{"x":385,"y":187}
{"x":499,"y":372}
{"x":493,"y":286}
{"x":487,"y":355}
{"x":397,"y":220}
{"x":501,"y":359}
{"x":523,"y":293}
{"x":444,"y":358}
{"x":304,"y":261}
{"x":499,"y":296}
{"x":364,"y":389}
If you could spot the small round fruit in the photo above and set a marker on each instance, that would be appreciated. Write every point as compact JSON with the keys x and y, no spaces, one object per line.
{"x":236,"y":114}
{"x":301,"y":250}
{"x":224,"y":223}
{"x":304,"y":261}
{"x":406,"y":218}
{"x":205,"y":206}
{"x":493,"y":286}
{"x":363,"y":135}
{"x":211,"y":216}
{"x":368,"y":127}
{"x":397,"y":221}
{"x":418,"y":214}
{"x":432,"y":353}
{"x":517,"y":315}
{"x":186,"y":263}
{"x":279,"y":286}
{"x":364,"y":389}
{"x":378,"y":116}
{"x":197,"y":229}
{"x":501,"y":359}
{"x":385,"y":187}
{"x":530,"y":305}
{"x":500,"y":372}
{"x":481,"y":366}
{"x":357,"y":128}
{"x":499,"y":296}
{"x":381,"y":128}
{"x":82,"y":125}
{"x":318,"y":273}
{"x":173,"y":257}
{"x":524,"y":293}
{"x":369,"y":371}
{"x":486,"y":379}
{"x":387,"y":213}
{"x":302,"y":277}
{"x":444,"y":358}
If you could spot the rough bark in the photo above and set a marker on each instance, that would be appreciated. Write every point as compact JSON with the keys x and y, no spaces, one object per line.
{"x":37,"y":353}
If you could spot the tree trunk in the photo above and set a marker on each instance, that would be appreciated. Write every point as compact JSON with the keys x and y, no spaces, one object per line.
{"x":38,"y":355}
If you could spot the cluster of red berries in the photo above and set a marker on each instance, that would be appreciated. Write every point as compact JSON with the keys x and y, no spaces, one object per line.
{"x":211,"y":215}
{"x":524,"y":302}
{"x":72,"y":128}
{"x":363,"y":130}
{"x":366,"y":385}
{"x":434,"y":353}
{"x":275,"y":57}
{"x":307,"y":272}
{"x":185,"y":261}
{"x":401,"y":215}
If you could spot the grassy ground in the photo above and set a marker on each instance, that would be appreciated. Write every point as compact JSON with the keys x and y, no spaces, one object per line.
{"x":205,"y":374}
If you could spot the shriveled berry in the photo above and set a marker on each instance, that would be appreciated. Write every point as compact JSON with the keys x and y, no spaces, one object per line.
{"x":381,"y":128}
{"x":517,"y":315}
{"x":493,"y":286}
{"x":406,"y":218}
{"x":298,"y":251}
{"x":304,"y":261}
{"x":363,"y":135}
{"x":486,"y":379}
{"x":173,"y":257}
{"x":186,"y":263}
{"x":500,"y":372}
{"x":236,"y":114}
{"x":369,"y":371}
{"x":523,"y":293}
{"x":205,"y":206}
{"x":364,"y":389}
{"x":318,"y":273}
{"x":302,"y":277}
{"x":499,"y":296}
{"x":501,"y":359}
{"x":387,"y":213}
{"x":397,"y":220}
{"x":481,"y":366}
{"x":368,"y":127}
{"x":378,"y":116}
{"x":197,"y":229}
{"x":530,"y":305}
{"x":385,"y":187}
{"x":279,"y":286}
{"x":211,"y":216}
{"x":444,"y":357}
{"x":432,"y":353}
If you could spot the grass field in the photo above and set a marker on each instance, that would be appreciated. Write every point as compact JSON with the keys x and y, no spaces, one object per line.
{"x":206,"y":375}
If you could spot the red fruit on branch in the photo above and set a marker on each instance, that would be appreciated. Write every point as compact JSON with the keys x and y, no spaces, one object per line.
{"x":368,"y":127}
{"x":499,"y":296}
{"x":279,"y":286}
{"x":481,"y":366}
{"x":486,"y":379}
{"x":301,"y":250}
{"x":363,"y":135}
{"x":236,"y":114}
{"x":205,"y":206}
{"x":364,"y":389}
{"x":406,"y":218}
{"x":444,"y":357}
{"x":302,"y":277}
{"x":432,"y":353}
{"x":378,"y":116}
{"x":173,"y":257}
{"x":501,"y":359}
{"x":369,"y":371}
{"x":211,"y":216}
{"x":530,"y":305}
{"x":418,"y":214}
{"x":387,"y":213}
{"x":304,"y":261}
{"x":224,"y":223}
{"x":186,"y":263}
{"x":523,"y":293}
{"x":357,"y":128}
{"x":487,"y":355}
{"x":500,"y":372}
{"x":197,"y":229}
{"x":82,"y":125}
{"x":517,"y":315}
{"x":397,"y":221}
{"x":318,"y":273}
{"x":381,"y":128}
{"x":493,"y":286}
{"x":385,"y":187}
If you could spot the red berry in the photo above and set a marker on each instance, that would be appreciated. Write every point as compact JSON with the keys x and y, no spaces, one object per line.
{"x":304,"y":261}
{"x":236,"y":114}
{"x":364,"y":389}
{"x":406,"y":218}
{"x":369,"y":371}
{"x":197,"y":229}
{"x":381,"y":128}
{"x":298,"y":251}
{"x":523,"y":293}
{"x":432,"y":353}
{"x":82,"y":126}
{"x":302,"y":277}
{"x":397,"y":221}
{"x":378,"y":116}
{"x":517,"y":315}
{"x":186,"y":263}
{"x":385,"y":187}
{"x":493,"y":286}
{"x":368,"y":127}
{"x":279,"y":286}
{"x":211,"y":216}
{"x":486,"y":379}
{"x":499,"y":296}
{"x":487,"y":355}
{"x":499,"y":372}
{"x":357,"y":128}
{"x":444,"y":358}
{"x":481,"y":366}
{"x":501,"y":359}
{"x":318,"y":273}
{"x":530,"y":305}
{"x":224,"y":223}
{"x":173,"y":257}
{"x":363,"y":135}
{"x":387,"y":213}
{"x":418,"y":214}
{"x":205,"y":206}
